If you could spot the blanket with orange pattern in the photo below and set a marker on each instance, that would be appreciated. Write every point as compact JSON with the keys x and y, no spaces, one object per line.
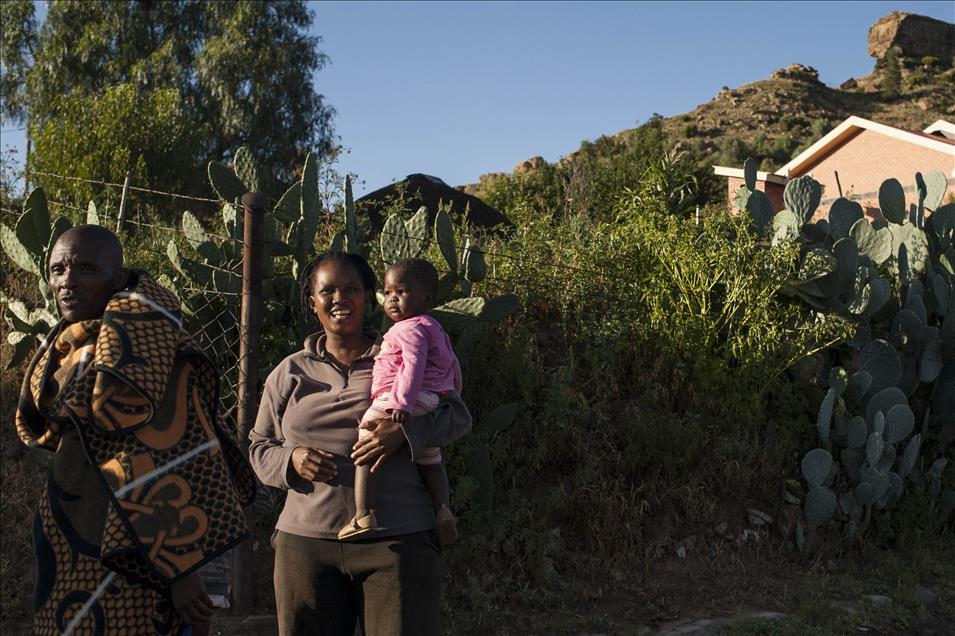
{"x":146,"y":484}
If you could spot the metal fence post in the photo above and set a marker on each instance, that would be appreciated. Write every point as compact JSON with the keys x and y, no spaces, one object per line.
{"x":250,"y":319}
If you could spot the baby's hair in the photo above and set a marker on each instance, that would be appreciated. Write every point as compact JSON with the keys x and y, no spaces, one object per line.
{"x":356,"y":261}
{"x":422,"y":272}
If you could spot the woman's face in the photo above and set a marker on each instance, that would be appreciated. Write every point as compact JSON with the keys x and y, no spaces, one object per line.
{"x":339,"y":298}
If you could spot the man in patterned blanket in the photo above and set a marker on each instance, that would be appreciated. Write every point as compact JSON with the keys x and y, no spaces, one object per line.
{"x":145,"y":485}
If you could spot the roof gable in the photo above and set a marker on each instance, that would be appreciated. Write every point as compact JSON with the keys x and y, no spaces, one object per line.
{"x":852,"y":127}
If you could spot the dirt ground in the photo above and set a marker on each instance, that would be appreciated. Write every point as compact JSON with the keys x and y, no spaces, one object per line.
{"x":746,"y":592}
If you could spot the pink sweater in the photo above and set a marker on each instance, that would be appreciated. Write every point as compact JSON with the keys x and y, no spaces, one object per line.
{"x":416,"y":354}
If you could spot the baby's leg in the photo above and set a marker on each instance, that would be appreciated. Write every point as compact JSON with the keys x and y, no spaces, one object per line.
{"x":432,"y":471}
{"x":435,"y":477}
{"x":364,"y":497}
{"x":364,"y":484}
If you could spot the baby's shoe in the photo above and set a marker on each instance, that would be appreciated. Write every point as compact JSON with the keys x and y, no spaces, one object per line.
{"x":446,"y":526}
{"x":358,"y":526}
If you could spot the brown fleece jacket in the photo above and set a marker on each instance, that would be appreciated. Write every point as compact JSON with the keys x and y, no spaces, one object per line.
{"x":310,"y":401}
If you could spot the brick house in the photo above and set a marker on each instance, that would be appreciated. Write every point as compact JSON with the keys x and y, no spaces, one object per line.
{"x":855,"y":158}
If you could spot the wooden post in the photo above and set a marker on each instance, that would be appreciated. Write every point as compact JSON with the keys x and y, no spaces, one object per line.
{"x":250,"y":322}
{"x":122,"y":205}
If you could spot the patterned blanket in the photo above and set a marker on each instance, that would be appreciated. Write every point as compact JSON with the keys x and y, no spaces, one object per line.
{"x":147,"y":485}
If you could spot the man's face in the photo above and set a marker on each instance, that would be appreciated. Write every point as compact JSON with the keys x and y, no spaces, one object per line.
{"x":404,"y":296}
{"x":83,"y":275}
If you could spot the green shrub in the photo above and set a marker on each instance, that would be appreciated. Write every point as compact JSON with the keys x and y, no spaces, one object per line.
{"x":689,"y":130}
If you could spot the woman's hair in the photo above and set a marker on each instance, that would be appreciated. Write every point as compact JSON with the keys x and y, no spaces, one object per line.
{"x":422,"y":272}
{"x":356,"y":261}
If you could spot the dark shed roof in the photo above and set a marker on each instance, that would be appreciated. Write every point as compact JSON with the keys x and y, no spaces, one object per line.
{"x":425,"y":190}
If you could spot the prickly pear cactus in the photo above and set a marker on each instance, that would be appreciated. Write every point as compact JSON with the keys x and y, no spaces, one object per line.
{"x":28,"y":245}
{"x":889,"y":414}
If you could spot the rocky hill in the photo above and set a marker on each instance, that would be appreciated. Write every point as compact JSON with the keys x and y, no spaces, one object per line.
{"x":911,"y":86}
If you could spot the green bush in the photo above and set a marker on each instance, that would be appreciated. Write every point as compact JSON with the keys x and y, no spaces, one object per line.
{"x":157,"y":139}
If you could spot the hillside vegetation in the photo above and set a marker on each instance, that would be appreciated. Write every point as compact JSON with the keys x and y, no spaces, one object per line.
{"x":773,"y":119}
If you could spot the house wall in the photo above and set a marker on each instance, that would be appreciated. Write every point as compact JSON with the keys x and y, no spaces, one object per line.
{"x":865,"y":161}
{"x":773,"y":190}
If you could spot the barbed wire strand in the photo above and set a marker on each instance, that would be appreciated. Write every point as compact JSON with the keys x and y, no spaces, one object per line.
{"x":120,"y":186}
{"x":524,"y":258}
{"x":521,"y":257}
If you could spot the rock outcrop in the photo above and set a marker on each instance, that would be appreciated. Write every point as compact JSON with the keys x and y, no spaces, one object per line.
{"x":529,"y":165}
{"x":914,"y":36}
{"x":797,"y":72}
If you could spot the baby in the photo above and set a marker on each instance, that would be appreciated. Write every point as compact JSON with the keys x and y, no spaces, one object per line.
{"x":415,"y":367}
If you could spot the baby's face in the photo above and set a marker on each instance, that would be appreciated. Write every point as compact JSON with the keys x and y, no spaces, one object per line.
{"x":404,"y":296}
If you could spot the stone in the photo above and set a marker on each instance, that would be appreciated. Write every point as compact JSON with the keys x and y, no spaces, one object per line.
{"x":878,"y":599}
{"x":758,"y":517}
{"x":797,"y":72}
{"x":530,"y":164}
{"x":849,"y":84}
{"x":926,"y":596}
{"x":914,"y":36}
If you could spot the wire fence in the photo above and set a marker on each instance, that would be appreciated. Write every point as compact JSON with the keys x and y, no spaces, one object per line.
{"x":212,"y":315}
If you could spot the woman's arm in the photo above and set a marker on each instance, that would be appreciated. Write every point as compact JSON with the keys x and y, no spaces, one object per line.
{"x":269,"y":457}
{"x":442,"y":426}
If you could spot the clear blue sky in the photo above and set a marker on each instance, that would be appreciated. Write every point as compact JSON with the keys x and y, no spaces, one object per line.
{"x":459,"y":89}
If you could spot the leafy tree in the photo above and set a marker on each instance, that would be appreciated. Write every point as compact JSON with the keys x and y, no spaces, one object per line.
{"x":124,"y":128}
{"x":17,"y":39}
{"x":229,"y":73}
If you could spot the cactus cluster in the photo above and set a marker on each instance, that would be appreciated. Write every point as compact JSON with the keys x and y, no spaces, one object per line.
{"x":871,"y":453}
{"x":28,"y":245}
{"x":893,"y":279}
{"x":752,"y":201}
{"x":291,"y":231}
{"x":456,"y":308}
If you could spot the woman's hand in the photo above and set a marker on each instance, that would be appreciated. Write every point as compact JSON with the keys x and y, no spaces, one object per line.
{"x":191,"y":601}
{"x":313,"y":464}
{"x":386,"y":437}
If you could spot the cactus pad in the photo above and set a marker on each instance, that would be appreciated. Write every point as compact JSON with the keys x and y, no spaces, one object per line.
{"x":444,"y":237}
{"x":820,"y":505}
{"x":899,"y":423}
{"x":224,"y":182}
{"x":472,"y":262}
{"x":906,"y":331}
{"x":19,"y":254}
{"x":873,"y":244}
{"x":935,"y":186}
{"x":842,"y":216}
{"x":289,"y":207}
{"x":245,"y":169}
{"x":760,"y":211}
{"x":417,"y":227}
{"x":749,"y":173}
{"x":785,"y":227}
{"x":879,"y":359}
{"x":930,"y":360}
{"x":856,"y":432}
{"x":892,"y":201}
{"x":884,"y":400}
{"x":396,"y":245}
{"x":741,"y":198}
{"x":802,"y":196}
{"x":816,"y":465}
